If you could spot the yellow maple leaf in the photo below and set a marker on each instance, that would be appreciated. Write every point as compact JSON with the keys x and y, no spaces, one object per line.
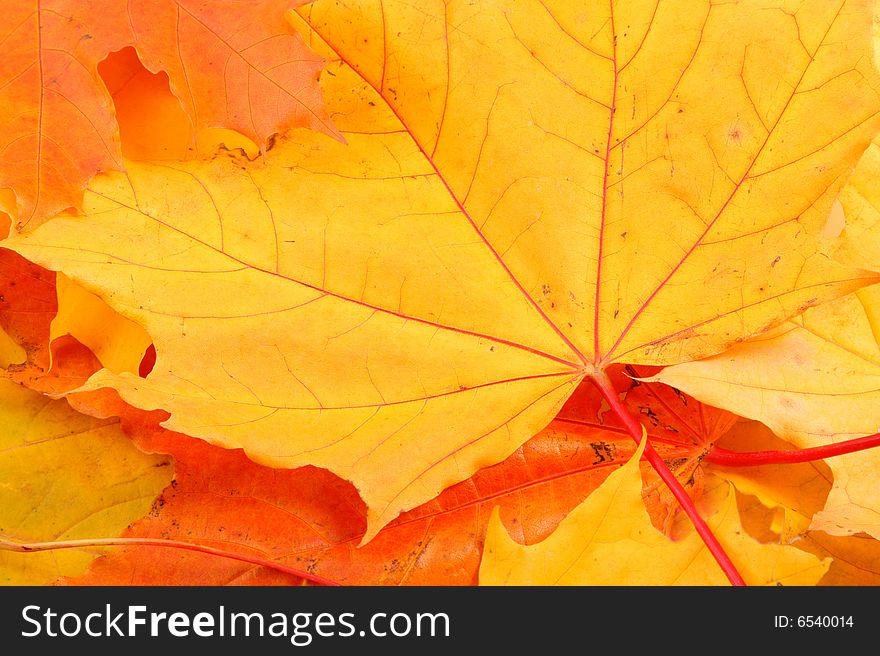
{"x":815,"y":380}
{"x":45,"y":498}
{"x":794,"y":491}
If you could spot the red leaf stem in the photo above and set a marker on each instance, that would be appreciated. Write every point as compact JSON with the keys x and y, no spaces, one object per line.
{"x":606,"y":388}
{"x":29,"y":547}
{"x":727,"y":458}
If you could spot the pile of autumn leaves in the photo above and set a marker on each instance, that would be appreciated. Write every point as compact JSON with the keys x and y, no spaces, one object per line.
{"x":318,"y":293}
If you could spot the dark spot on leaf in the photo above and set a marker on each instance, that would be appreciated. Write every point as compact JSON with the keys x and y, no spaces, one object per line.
{"x":680,"y":395}
{"x":604,"y":452}
{"x":676,"y":463}
{"x":650,"y":414}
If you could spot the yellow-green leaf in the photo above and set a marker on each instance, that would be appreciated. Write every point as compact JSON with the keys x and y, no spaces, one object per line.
{"x":65,"y":476}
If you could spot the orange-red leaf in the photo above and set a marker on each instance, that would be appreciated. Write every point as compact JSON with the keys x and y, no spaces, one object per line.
{"x":152,"y":123}
{"x":310,"y":519}
{"x":56,"y":122}
{"x":231,"y":64}
{"x":28,"y":306}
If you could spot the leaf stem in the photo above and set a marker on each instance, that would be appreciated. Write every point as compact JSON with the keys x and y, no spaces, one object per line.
{"x":30,"y":547}
{"x":727,"y":458}
{"x":606,"y":388}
